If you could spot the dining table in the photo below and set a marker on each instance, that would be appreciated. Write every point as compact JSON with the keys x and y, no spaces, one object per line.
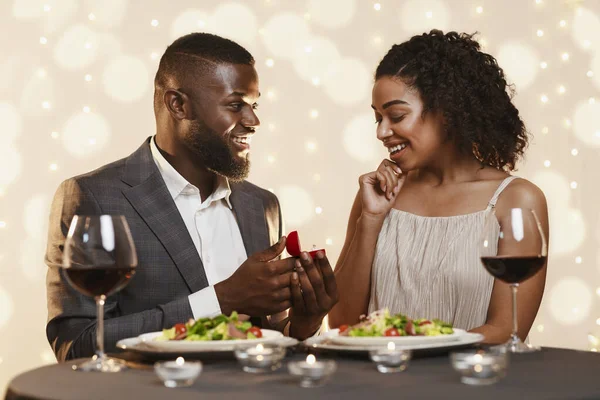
{"x":551,"y":373}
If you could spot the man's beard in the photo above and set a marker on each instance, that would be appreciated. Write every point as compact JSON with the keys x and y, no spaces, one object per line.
{"x":215,"y":152}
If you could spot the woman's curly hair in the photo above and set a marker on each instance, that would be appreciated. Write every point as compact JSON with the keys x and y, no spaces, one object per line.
{"x":454,"y":77}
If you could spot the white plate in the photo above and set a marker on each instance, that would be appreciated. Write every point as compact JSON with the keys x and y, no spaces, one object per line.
{"x":137,"y":345}
{"x":326,"y":342}
{"x":398,"y":340}
{"x":192,"y":346}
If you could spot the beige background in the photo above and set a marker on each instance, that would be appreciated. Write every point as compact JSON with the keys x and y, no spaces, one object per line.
{"x":75,"y":93}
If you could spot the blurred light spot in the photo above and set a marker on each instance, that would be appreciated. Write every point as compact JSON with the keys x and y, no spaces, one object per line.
{"x":125,"y":79}
{"x":573,"y":185}
{"x":53,"y":167}
{"x":562,"y":89}
{"x":479,"y":10}
{"x":154,"y":22}
{"x":377,"y":6}
{"x":545,"y":130}
{"x":317,"y":177}
{"x":297,"y":204}
{"x":318,"y":210}
{"x":570,"y":301}
{"x":54,"y":135}
{"x":271,"y":159}
{"x":314,"y":113}
{"x":562,"y":23}
{"x":270,"y":62}
{"x":328,"y":241}
{"x":86,"y":109}
{"x":544,"y":98}
{"x":578,"y":260}
{"x":565,"y":56}
{"x":540,"y":33}
{"x":91,"y":16}
{"x":520,"y":62}
{"x":574,"y":152}
{"x":311,"y":146}
{"x":332,"y":14}
{"x":88,"y":78}
{"x":540,"y":328}
{"x":543,"y":65}
{"x":43,"y":40}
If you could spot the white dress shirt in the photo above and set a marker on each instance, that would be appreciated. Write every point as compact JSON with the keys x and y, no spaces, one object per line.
{"x":213,"y":228}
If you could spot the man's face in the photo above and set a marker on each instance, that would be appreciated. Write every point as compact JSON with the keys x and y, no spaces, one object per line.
{"x":224,"y":104}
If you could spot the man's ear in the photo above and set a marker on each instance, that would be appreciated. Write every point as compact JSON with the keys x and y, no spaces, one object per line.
{"x":178,"y":104}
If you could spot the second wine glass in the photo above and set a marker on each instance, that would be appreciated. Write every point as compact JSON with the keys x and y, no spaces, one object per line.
{"x":514,"y":249}
{"x":99,"y":260}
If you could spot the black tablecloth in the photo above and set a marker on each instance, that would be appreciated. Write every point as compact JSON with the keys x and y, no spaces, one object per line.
{"x":549,"y":374}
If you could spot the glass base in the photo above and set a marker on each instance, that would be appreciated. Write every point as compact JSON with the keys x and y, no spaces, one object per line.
{"x":469,"y":380}
{"x":101,"y":364}
{"x":386,"y":369}
{"x":517,"y":346}
{"x":261,"y":369}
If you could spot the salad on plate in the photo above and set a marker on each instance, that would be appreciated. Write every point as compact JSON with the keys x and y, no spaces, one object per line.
{"x":381,"y":324}
{"x":220,"y":327}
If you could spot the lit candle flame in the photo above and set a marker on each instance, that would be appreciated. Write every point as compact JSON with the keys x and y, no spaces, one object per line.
{"x":179,"y":361}
{"x":260,"y":347}
{"x":311,"y":359}
{"x":478,"y":357}
{"x":391,"y":346}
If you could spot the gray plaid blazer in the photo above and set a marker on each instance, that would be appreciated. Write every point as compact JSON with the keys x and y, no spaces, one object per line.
{"x":169,"y":267}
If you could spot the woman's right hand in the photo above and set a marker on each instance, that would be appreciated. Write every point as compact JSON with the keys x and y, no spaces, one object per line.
{"x":379,"y":189}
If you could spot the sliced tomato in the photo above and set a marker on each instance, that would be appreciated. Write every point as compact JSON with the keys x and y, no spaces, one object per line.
{"x":255,"y":330}
{"x":410,"y":328}
{"x":392,"y":332}
{"x":180,"y":328}
{"x":343,"y":328}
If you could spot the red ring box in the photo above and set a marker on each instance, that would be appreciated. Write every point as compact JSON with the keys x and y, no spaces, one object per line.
{"x":292,"y":245}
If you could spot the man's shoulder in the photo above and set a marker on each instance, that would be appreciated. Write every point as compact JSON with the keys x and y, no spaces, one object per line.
{"x":105,"y":175}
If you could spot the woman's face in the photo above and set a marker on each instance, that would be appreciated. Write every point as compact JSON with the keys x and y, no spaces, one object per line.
{"x":413,"y":141}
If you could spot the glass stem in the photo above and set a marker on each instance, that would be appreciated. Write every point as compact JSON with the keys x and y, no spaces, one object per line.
{"x":100,"y":327}
{"x":514,"y":335}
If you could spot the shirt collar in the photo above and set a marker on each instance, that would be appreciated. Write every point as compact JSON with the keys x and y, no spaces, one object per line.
{"x":178,"y":185}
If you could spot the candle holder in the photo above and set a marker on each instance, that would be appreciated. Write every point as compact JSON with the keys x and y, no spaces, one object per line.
{"x":390,"y":359}
{"x":478,"y":367}
{"x":178,"y":373}
{"x":312,"y":373}
{"x":263,"y":357}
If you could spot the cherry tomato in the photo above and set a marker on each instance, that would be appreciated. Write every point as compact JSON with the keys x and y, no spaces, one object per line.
{"x":255,"y":330}
{"x":180,"y":328}
{"x":343,"y":328}
{"x":392,"y":332}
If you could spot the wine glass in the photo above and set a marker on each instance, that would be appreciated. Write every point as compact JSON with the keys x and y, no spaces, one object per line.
{"x":99,"y":260}
{"x":514,"y":249}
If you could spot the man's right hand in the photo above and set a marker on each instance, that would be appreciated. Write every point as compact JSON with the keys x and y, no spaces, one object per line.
{"x":260,"y":286}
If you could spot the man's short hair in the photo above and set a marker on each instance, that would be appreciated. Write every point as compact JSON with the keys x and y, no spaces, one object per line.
{"x":193,"y":53}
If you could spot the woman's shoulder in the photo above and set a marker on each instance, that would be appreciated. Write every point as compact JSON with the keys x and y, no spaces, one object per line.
{"x":522,"y":193}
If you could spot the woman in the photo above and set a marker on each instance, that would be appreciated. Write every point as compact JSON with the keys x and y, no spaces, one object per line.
{"x":444,"y":112}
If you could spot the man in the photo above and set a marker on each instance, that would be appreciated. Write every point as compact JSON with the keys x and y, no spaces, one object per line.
{"x":208,"y":241}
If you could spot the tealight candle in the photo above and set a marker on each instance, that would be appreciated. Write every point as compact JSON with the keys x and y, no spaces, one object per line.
{"x":312,"y":373}
{"x":390,"y":359}
{"x":480,"y":368}
{"x":260,"y":358}
{"x":178,"y":373}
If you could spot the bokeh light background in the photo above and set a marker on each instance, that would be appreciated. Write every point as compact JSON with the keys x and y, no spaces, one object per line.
{"x":76,"y":93}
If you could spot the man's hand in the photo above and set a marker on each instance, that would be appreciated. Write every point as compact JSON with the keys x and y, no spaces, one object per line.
{"x":314,"y":293}
{"x":260,"y":286}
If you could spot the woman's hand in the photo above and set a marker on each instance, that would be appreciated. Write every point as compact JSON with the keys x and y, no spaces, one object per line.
{"x":379,"y":189}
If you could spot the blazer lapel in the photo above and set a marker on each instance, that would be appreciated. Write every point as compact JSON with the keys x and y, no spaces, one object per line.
{"x":251,"y":220}
{"x":153,"y":202}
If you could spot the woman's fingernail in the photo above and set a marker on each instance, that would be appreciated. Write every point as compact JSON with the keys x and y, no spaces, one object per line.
{"x":304,"y":256}
{"x":298,"y":265}
{"x":294,"y":276}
